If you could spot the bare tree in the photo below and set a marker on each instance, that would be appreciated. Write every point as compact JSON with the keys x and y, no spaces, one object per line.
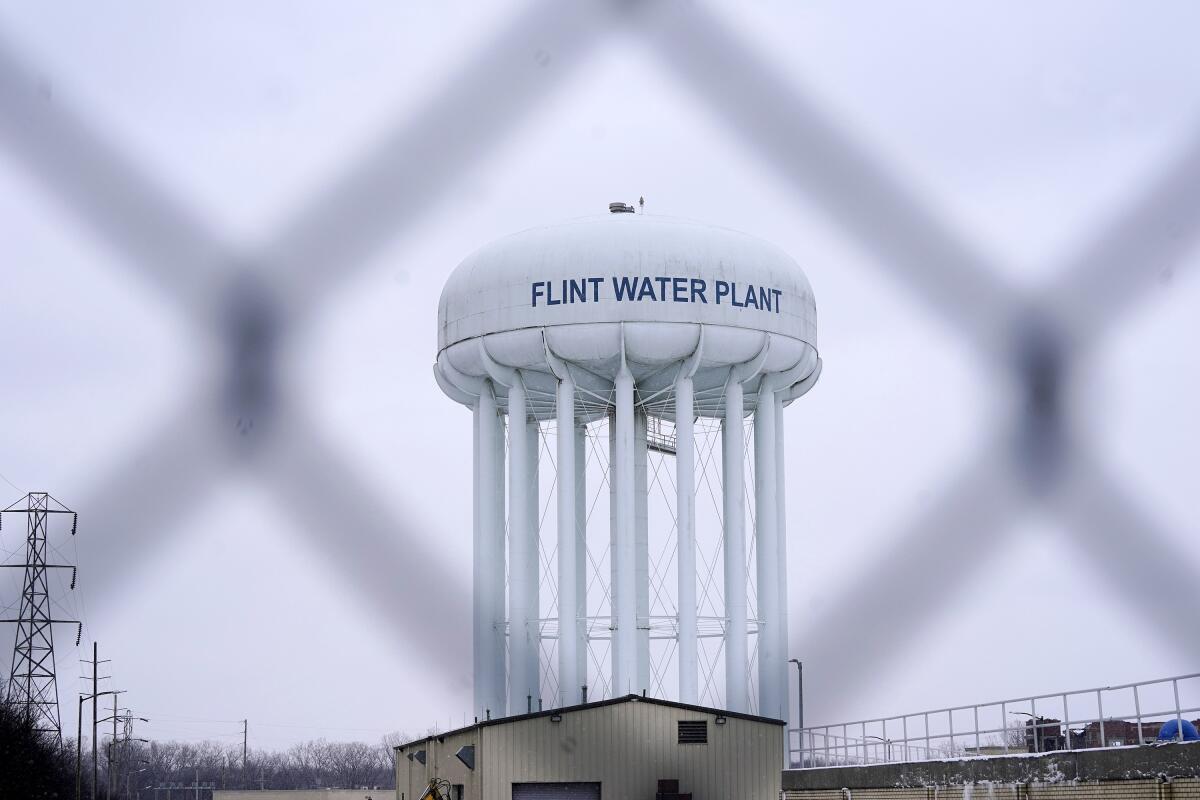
{"x":307,"y":765}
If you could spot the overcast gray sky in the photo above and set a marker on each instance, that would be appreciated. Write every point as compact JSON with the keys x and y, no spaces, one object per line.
{"x":1024,"y":128}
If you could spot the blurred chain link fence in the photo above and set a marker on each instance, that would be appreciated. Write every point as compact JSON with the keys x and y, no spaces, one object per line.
{"x":251,"y":305}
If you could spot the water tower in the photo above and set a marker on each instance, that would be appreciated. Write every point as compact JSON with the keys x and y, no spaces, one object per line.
{"x":619,"y":369}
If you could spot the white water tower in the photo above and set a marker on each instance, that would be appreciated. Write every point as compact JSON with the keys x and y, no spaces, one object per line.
{"x":630,"y":371}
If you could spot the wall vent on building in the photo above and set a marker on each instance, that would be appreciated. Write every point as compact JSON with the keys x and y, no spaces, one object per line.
{"x":693,"y":731}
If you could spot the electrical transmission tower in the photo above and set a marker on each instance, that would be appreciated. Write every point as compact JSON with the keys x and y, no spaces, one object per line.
{"x":31,"y":683}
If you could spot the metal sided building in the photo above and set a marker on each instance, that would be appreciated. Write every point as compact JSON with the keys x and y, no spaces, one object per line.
{"x":625,"y":748}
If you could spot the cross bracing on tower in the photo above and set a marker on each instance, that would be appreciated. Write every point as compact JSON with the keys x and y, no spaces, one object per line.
{"x":32,"y":682}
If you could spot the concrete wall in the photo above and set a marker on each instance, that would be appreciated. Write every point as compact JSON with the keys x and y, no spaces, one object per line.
{"x":1167,"y":772}
{"x":626,"y":747}
{"x":1178,"y":789}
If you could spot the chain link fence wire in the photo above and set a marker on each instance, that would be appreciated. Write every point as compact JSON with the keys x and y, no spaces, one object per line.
{"x":251,"y":306}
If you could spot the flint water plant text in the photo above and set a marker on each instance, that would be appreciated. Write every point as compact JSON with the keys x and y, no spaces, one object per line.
{"x":648,"y":289}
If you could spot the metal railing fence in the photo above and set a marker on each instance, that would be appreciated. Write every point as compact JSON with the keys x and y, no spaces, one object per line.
{"x":1109,"y":716}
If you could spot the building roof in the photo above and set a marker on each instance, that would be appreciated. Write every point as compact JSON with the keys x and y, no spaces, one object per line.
{"x":628,"y":698}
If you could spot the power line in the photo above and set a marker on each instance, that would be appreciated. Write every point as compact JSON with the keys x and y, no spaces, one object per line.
{"x":171,"y":717}
{"x":298,"y":726}
{"x":10,"y":483}
{"x":197,"y":720}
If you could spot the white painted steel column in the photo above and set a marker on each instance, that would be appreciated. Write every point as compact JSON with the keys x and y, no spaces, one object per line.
{"x":581,"y":557}
{"x":642,"y":549}
{"x":786,"y":392}
{"x":734,"y":511}
{"x":621,"y":472}
{"x":478,"y":629}
{"x":781,"y":564}
{"x":568,"y":547}
{"x":499,"y":572}
{"x":521,"y":583}
{"x":533,"y":433}
{"x":685,"y":514}
{"x":488,"y":566}
{"x":613,"y":561}
{"x":766,"y":519}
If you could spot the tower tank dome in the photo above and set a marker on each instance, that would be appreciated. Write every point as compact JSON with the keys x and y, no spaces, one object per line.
{"x":646,"y":289}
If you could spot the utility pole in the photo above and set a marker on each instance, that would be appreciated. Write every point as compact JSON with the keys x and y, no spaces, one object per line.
{"x":109,"y":749}
{"x":112,"y":752}
{"x":121,"y":751}
{"x":96,"y":693}
{"x":118,"y":747}
{"x":127,"y":735}
{"x":79,"y":751}
{"x":32,"y":683}
{"x":245,"y":738}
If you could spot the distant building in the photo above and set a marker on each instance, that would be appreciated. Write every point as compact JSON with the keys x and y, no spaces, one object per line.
{"x":987,"y":750}
{"x":1044,"y":735}
{"x":1117,"y":733}
{"x":629,"y":746}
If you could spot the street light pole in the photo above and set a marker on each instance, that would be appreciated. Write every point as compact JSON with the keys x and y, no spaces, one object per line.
{"x":95,"y":694}
{"x":800,"y":692}
{"x":887,"y":748}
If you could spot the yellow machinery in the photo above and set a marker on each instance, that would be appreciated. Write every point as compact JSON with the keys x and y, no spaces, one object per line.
{"x":438,"y":790}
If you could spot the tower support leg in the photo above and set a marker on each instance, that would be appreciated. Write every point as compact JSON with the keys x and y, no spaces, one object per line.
{"x":488,"y":561}
{"x":522,"y":547}
{"x":624,"y":671}
{"x":766,"y":518}
{"x":581,"y":556}
{"x":685,"y":515}
{"x":568,"y":547}
{"x":641,"y":549}
{"x":781,"y":552}
{"x":734,"y":511}
{"x":533,"y":437}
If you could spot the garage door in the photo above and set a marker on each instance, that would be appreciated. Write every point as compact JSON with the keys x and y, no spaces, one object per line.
{"x":556,"y":791}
